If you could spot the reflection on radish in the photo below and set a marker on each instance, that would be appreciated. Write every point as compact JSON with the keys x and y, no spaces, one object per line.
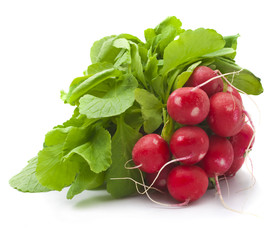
{"x":150,"y":153}
{"x":188,"y":105}
{"x":189,"y":141}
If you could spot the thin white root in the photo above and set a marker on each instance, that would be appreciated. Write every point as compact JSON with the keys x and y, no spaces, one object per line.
{"x":216,"y":77}
{"x":227,"y":185}
{"x":221,"y":198}
{"x":166,"y":164}
{"x":224,"y":204}
{"x":125,"y":166}
{"x":147,"y":188}
{"x":251,"y":99}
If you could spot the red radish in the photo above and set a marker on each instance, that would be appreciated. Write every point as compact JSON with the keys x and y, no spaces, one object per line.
{"x":240,"y":143}
{"x":188,"y":106}
{"x":189,"y":141}
{"x":150,"y":152}
{"x":219,"y":156}
{"x":226,"y":116}
{"x":161,"y":181}
{"x":202,"y":74}
{"x":187,"y":183}
{"x":233,"y":91}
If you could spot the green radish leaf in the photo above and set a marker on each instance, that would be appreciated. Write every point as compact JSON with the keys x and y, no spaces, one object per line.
{"x":245,"y":80}
{"x":151,"y":109}
{"x":158,"y":38}
{"x":103,"y":50}
{"x":115,"y":102}
{"x":231,"y":42}
{"x":168,"y":130}
{"x":26,"y":180}
{"x":84,"y":84}
{"x":54,"y":173}
{"x":96,"y":152}
{"x":122,"y":143}
{"x":98,"y":67}
{"x":220,"y":52}
{"x":184,"y":76}
{"x":191,"y":45}
{"x":133,"y":116}
{"x":85,"y":179}
{"x":136,"y":65}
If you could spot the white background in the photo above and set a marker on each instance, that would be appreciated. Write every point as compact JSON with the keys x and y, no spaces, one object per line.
{"x":45,"y":44}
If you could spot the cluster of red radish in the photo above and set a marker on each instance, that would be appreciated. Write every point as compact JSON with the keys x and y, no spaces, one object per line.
{"x":197,"y":156}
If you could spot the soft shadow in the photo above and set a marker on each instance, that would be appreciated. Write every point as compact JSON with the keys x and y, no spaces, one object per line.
{"x":95,"y":199}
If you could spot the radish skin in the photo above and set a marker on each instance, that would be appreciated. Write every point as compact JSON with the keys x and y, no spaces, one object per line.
{"x":202,"y":74}
{"x":226,"y":116}
{"x":187,"y":183}
{"x":188,"y":105}
{"x":189,"y":141}
{"x":150,"y":153}
{"x":219,"y":157}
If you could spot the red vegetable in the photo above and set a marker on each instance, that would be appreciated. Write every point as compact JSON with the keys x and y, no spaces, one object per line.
{"x":150,"y":152}
{"x":187,"y":183}
{"x":188,"y":105}
{"x":189,"y":141}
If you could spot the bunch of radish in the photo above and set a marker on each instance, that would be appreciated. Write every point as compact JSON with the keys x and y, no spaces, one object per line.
{"x":195,"y":154}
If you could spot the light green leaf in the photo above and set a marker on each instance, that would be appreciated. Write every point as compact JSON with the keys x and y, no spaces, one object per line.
{"x":136,"y":64}
{"x":103,"y":50}
{"x":184,"y":76}
{"x":231,"y":41}
{"x":220,"y":52}
{"x":168,"y":129}
{"x":121,"y":43}
{"x":115,"y":102}
{"x":159,"y":37}
{"x":54,"y":173}
{"x":166,"y":32}
{"x":98,"y":67}
{"x":122,"y":144}
{"x":151,"y":69}
{"x":91,"y":82}
{"x":26,"y":180}
{"x":85,"y":179}
{"x":191,"y":45}
{"x":151,"y":109}
{"x":96,"y":152}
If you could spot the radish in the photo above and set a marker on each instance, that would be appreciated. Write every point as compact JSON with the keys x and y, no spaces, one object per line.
{"x":226,"y":115}
{"x":202,"y":74}
{"x":188,"y":105}
{"x":189,"y":141}
{"x":233,"y":91}
{"x":187,"y":183}
{"x":150,"y":153}
{"x":219,"y":157}
{"x":161,"y":181}
{"x":240,"y":142}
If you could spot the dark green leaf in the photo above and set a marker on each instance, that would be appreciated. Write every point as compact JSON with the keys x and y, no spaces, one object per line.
{"x":122,"y":144}
{"x":245,"y":80}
